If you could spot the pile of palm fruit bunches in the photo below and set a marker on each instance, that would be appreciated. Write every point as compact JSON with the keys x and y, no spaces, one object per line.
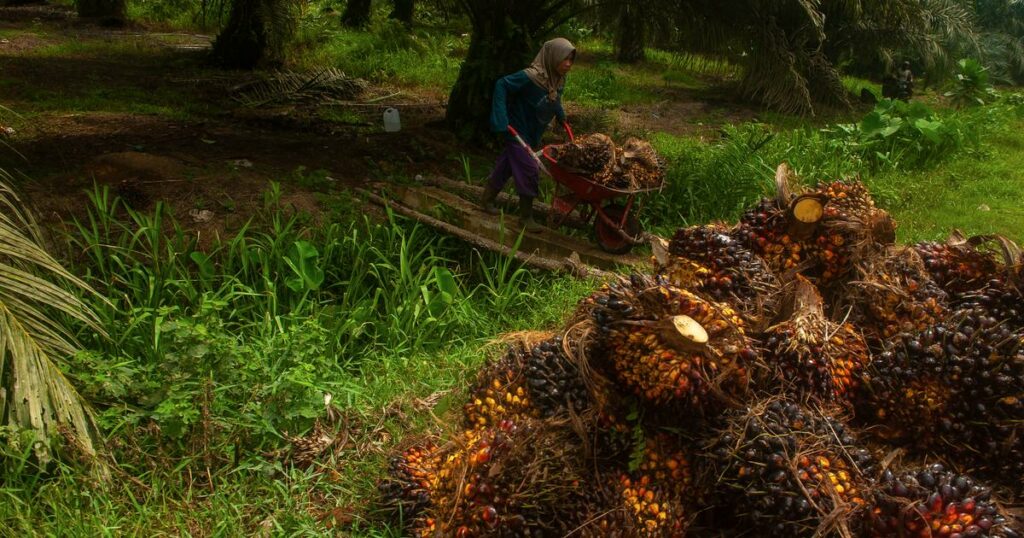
{"x":633,"y":166}
{"x":796,"y":374}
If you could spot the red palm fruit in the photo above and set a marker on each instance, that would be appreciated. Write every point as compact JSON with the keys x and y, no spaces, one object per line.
{"x":811,"y":356}
{"x":782,"y":469}
{"x":958,"y":265}
{"x":931,"y":503}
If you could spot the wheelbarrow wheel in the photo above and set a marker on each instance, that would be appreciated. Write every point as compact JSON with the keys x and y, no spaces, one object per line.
{"x":608,"y":238}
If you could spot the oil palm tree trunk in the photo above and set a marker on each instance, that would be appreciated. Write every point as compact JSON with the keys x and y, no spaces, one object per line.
{"x":357,"y":13}
{"x":107,"y":10}
{"x":631,"y":34}
{"x":403,"y":11}
{"x":244,"y":41}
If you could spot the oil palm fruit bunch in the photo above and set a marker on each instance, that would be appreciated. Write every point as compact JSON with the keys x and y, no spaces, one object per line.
{"x":306,"y":449}
{"x":782,"y":469}
{"x":893,"y":294}
{"x":764,"y":229}
{"x":500,"y":392}
{"x":655,"y":499}
{"x":519,"y":478}
{"x":641,"y":167}
{"x":813,"y":357}
{"x":412,"y":476}
{"x":934,"y":503}
{"x":958,"y":265}
{"x":666,"y":344}
{"x":1002,"y":297}
{"x":734,"y":274}
{"x":851,"y":228}
{"x":955,"y":387}
{"x":781,"y":229}
{"x":591,"y":155}
{"x":553,"y":382}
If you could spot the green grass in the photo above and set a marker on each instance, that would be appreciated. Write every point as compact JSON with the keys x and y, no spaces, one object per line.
{"x":387,"y":54}
{"x":856,"y":85}
{"x":164,"y":102}
{"x":252,"y":333}
{"x":98,"y":75}
{"x":598,"y":82}
{"x":931,"y":203}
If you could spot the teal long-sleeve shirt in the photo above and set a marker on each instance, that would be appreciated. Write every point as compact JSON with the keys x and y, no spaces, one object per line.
{"x":521,"y":103}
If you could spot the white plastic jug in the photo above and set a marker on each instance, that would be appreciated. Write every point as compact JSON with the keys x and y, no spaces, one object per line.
{"x":392,"y":122}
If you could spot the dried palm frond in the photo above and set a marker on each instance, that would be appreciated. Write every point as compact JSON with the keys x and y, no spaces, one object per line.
{"x":284,"y":87}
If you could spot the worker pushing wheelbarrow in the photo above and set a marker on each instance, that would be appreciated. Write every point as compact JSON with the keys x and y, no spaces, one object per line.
{"x":524,"y":104}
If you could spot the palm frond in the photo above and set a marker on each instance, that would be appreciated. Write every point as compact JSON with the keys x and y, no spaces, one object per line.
{"x":35,"y":298}
{"x":328,"y":84}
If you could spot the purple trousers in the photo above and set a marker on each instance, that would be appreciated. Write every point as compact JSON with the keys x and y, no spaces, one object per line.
{"x":516,"y":163}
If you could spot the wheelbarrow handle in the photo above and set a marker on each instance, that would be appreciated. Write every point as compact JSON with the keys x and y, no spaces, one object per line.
{"x":535,"y":155}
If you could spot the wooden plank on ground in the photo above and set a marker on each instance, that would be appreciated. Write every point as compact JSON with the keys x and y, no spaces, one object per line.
{"x":443,"y":205}
{"x":571,"y":264}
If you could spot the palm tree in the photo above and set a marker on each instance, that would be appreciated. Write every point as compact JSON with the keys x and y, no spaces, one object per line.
{"x":778,"y":43}
{"x":256,"y":33}
{"x":871,"y":36}
{"x":357,"y":13}
{"x":36,"y":292}
{"x":1001,"y":24}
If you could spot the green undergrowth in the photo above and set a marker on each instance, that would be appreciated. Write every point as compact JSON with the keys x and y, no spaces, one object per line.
{"x":926,"y":165}
{"x":387,"y":53}
{"x":218,"y":352}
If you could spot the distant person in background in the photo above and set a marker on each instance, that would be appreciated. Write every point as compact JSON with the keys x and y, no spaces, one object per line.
{"x":900,"y":86}
{"x":906,"y":75}
{"x":905,"y":82}
{"x":527,"y":100}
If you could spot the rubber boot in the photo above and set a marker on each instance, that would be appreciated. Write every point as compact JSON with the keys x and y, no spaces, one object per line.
{"x":526,"y":215}
{"x":487,"y":200}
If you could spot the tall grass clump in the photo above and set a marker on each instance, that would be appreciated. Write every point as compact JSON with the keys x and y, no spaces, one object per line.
{"x":218,"y":349}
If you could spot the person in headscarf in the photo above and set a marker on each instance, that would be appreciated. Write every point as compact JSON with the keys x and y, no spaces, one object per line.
{"x":527,"y":100}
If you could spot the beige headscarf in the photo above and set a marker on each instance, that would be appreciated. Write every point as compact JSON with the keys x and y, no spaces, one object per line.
{"x":543,"y":71}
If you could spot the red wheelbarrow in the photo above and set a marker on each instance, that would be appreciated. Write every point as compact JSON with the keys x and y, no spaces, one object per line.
{"x":616,"y":230}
